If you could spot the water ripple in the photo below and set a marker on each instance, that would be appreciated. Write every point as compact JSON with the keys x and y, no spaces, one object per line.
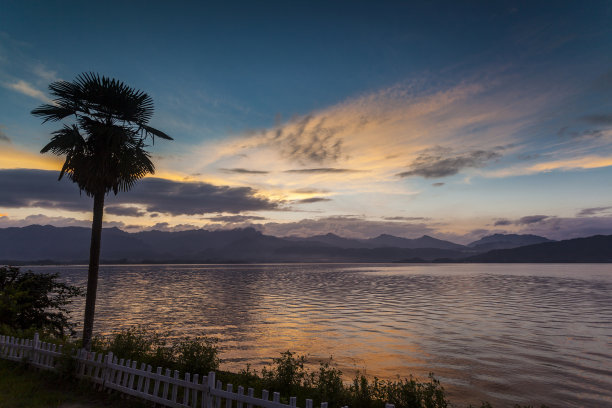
{"x":526,"y":334}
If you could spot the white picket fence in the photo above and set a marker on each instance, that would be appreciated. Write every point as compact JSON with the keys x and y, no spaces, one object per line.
{"x":162,"y":387}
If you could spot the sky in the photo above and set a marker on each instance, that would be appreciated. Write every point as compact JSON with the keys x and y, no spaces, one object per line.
{"x":443,"y":118}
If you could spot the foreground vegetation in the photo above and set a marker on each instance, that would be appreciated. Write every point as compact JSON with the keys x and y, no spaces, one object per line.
{"x":22,"y":387}
{"x":37,"y":302}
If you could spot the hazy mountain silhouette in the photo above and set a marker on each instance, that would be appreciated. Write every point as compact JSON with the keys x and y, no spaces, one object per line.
{"x":382,"y":241}
{"x":71,"y":245}
{"x":597,"y":248}
{"x":506,"y":241}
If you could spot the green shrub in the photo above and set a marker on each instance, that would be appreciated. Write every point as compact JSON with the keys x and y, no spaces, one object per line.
{"x":138,"y":343}
{"x":328,"y":385}
{"x":199,"y":355}
{"x":35,"y":301}
{"x":286,"y":374}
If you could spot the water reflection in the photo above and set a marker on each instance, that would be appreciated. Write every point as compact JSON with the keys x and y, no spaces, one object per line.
{"x":503,"y":333}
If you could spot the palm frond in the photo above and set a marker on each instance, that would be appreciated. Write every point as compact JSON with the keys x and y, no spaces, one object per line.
{"x":52,"y":113}
{"x":154,"y":132}
{"x":105,"y":149}
{"x":64,"y":141}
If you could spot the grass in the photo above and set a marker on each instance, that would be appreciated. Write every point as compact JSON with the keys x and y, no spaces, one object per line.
{"x":22,"y":386}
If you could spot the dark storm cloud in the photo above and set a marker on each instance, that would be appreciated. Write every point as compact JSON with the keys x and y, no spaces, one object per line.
{"x":585,"y":212}
{"x":176,"y":198}
{"x":322,"y":170}
{"x":244,"y":171}
{"x":313,"y":200}
{"x":440,"y":162}
{"x":235,"y":218}
{"x":40,"y":188}
{"x":310,"y":141}
{"x":125,"y":211}
{"x":503,"y":222}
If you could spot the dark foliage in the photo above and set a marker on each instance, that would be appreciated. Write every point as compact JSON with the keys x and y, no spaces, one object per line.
{"x":37,"y":301}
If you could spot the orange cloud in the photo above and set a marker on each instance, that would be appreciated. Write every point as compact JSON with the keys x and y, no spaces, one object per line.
{"x":588,"y":162}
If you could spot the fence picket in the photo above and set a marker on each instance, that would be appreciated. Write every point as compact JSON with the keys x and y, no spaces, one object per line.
{"x":133,"y":376}
{"x":175,"y":386}
{"x":228,"y":401}
{"x":194,"y":391}
{"x":166,"y":384}
{"x":157,"y":381}
{"x":186,"y":390}
{"x":120,"y":375}
{"x":147,"y":383}
{"x":240,"y":392}
{"x":211,"y":386}
{"x":250,"y":393}
{"x":218,"y":399}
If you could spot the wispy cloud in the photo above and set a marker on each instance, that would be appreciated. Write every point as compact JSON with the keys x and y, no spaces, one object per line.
{"x":527,"y":220}
{"x":244,"y":171}
{"x":313,"y":200}
{"x":363,"y":143}
{"x":28,"y":89}
{"x":599,"y":119}
{"x":234,"y":219}
{"x":442,"y":162}
{"x":4,"y":137}
{"x":587,"y":212}
{"x":321,"y":170}
{"x":126,"y":211}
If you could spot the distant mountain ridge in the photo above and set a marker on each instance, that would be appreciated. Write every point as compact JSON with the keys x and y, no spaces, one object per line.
{"x":597,"y":249}
{"x":506,"y":241}
{"x":71,"y":245}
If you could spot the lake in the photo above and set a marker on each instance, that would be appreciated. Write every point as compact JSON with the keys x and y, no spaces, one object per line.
{"x":506,"y":333}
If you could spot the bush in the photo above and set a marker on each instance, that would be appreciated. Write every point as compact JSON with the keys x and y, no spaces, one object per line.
{"x":328,"y":385}
{"x":35,"y":301}
{"x":199,"y":355}
{"x":137,"y":343}
{"x":287,"y":373}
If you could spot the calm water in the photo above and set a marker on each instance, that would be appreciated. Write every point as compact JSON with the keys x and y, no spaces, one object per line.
{"x":503,"y":333}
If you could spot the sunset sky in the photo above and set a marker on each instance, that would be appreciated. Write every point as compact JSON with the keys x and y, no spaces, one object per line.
{"x":452,"y":119}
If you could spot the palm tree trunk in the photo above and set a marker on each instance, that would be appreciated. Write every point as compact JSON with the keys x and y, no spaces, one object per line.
{"x":94,"y":262}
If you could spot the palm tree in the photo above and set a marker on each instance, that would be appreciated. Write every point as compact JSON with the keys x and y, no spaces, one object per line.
{"x":104,"y":149}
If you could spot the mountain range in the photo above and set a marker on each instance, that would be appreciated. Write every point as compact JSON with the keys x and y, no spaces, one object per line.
{"x":48,"y":244}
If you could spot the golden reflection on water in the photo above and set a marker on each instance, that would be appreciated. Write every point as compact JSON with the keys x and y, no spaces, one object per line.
{"x":525,"y":334}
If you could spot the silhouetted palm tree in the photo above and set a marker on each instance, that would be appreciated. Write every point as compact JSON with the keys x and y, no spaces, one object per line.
{"x":104,"y":150}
